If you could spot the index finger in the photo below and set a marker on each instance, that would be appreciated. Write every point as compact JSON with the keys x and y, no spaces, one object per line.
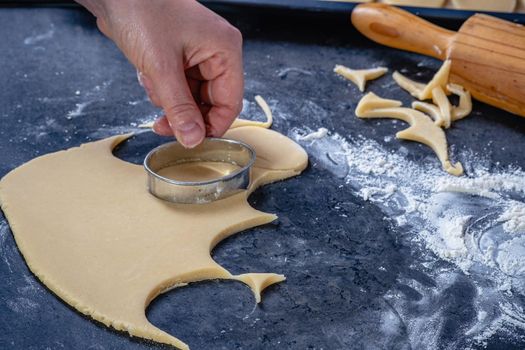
{"x":224,"y":93}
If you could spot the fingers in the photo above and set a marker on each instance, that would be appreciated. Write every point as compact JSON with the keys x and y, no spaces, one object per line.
{"x":224,"y":94}
{"x":162,"y":127}
{"x":182,"y":113}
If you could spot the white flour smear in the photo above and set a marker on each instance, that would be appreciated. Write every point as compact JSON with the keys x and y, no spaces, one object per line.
{"x":4,"y":231}
{"x":474,"y":222}
{"x":31,"y":40}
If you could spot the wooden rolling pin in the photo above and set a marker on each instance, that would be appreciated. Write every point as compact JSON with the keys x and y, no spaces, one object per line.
{"x":487,"y":54}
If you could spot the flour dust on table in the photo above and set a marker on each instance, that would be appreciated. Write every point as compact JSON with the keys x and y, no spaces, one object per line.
{"x":472,"y":228}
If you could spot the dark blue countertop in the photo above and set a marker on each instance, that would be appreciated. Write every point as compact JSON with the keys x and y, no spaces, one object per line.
{"x":64,"y":84}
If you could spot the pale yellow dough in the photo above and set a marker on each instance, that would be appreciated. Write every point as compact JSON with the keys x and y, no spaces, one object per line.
{"x":422,"y":129}
{"x":465,"y":102}
{"x":266,"y":110}
{"x":90,"y":231}
{"x":440,"y":99}
{"x":430,"y":109}
{"x":360,"y":76}
{"x":437,"y":90}
{"x":424,"y":91}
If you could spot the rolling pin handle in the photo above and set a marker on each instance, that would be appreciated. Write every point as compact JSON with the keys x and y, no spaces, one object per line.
{"x":400,"y":29}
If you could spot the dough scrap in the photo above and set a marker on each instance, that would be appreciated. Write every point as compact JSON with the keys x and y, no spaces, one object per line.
{"x":90,"y":231}
{"x":437,"y":89}
{"x":422,"y":129}
{"x":465,"y":102}
{"x":360,"y":76}
{"x":267,"y":112}
{"x":440,"y":99}
{"x":428,"y":108}
{"x":424,"y":91}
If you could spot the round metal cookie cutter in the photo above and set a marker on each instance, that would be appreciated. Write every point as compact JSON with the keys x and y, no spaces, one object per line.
{"x":199,"y":192}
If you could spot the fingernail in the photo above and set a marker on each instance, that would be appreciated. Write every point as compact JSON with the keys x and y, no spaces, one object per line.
{"x":190,"y":134}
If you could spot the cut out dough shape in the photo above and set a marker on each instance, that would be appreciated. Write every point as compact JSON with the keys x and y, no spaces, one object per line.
{"x":267,"y":112}
{"x":422,"y":129}
{"x":456,"y":112}
{"x":436,"y":90}
{"x":360,"y":76}
{"x":90,"y":231}
{"x":440,"y":99}
{"x":424,"y":91}
{"x":428,"y":108}
{"x":465,"y":102}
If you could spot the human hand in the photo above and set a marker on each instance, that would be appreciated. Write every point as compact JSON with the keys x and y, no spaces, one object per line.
{"x":189,"y":61}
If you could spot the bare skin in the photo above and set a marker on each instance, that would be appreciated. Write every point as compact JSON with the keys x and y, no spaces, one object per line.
{"x":189,"y":61}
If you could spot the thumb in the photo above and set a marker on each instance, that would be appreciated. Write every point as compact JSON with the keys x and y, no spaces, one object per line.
{"x":182,"y":114}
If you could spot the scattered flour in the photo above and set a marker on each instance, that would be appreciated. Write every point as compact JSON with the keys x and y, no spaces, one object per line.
{"x":30,"y":40}
{"x":319,"y":134}
{"x":283,"y":73}
{"x":79,"y":110}
{"x":4,"y":254}
{"x":513,"y":217}
{"x":477,"y":223}
{"x":22,"y":305}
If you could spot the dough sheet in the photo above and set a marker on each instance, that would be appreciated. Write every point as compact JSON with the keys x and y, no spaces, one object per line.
{"x":92,"y":233}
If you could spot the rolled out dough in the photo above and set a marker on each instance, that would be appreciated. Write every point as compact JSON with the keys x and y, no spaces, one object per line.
{"x":90,"y":231}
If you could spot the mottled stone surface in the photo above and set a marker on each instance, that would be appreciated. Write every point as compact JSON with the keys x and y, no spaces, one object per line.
{"x":63,"y":84}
